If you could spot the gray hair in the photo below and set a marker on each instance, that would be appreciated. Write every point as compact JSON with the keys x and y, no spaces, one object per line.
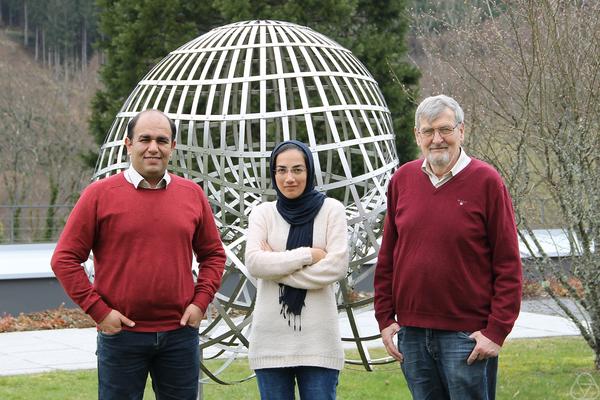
{"x":433,"y":106}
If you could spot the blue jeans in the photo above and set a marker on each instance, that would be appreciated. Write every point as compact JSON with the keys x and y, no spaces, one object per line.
{"x":172,"y":358}
{"x":435,"y":366}
{"x":314,"y":383}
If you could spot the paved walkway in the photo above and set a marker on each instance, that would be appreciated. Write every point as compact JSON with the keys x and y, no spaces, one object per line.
{"x":71,"y":349}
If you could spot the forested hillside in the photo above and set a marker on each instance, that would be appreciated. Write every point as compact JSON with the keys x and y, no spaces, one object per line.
{"x":44,"y":136}
{"x":59,"y":33}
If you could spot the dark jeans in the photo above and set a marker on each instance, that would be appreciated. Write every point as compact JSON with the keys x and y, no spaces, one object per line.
{"x":314,"y":383}
{"x":172,"y":358}
{"x":435,"y":366}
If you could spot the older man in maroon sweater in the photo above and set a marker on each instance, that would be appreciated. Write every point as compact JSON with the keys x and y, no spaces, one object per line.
{"x":448,"y":275}
{"x":143,"y":226}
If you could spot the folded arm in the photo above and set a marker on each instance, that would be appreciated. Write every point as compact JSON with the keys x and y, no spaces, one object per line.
{"x":264,"y":263}
{"x":334,"y":265}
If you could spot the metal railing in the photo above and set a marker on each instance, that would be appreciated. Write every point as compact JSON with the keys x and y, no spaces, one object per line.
{"x":23,"y":223}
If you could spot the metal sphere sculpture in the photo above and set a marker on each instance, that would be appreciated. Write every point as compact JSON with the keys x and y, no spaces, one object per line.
{"x":234,"y":93}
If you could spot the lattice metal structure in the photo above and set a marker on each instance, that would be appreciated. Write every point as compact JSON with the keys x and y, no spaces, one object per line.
{"x":234,"y":93}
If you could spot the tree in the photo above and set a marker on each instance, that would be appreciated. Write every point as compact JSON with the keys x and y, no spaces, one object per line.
{"x":19,"y":156}
{"x":43,"y":120}
{"x":135,"y":35}
{"x":88,"y":22}
{"x":529,"y":78}
{"x":60,"y":29}
{"x":138,"y":34}
{"x":380,"y":44}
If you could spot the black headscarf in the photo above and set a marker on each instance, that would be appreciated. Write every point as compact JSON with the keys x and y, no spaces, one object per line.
{"x":300,"y":213}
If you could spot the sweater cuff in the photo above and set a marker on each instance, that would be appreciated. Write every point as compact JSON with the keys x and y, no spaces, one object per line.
{"x":385,"y":323}
{"x":98,"y":311}
{"x":202,"y":300}
{"x":306,"y":256}
{"x":495,"y":333}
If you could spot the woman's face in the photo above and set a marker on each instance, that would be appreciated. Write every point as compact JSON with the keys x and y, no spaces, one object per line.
{"x":290,"y":173}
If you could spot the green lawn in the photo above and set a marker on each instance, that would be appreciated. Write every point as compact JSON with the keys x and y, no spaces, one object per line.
{"x":529,"y":369}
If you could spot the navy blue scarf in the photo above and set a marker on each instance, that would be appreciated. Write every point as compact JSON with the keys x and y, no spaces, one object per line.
{"x":300,"y":213}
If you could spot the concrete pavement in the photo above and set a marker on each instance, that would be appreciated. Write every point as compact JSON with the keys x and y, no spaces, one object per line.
{"x":72,"y":349}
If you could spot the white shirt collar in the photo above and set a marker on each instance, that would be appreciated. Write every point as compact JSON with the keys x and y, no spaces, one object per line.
{"x":461,"y":163}
{"x":137,"y":180}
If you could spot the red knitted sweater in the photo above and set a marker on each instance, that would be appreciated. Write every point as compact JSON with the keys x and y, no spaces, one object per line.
{"x":142,"y":241}
{"x":449,"y":258}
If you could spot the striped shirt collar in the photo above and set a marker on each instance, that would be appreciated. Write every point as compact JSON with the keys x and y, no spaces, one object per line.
{"x":461,"y":163}
{"x":138,"y":181}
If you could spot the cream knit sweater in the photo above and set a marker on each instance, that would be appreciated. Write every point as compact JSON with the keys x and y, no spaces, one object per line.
{"x":273,"y":343}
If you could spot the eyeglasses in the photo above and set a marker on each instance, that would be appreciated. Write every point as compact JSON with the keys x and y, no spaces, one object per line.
{"x":283,"y":171}
{"x":443,"y":131}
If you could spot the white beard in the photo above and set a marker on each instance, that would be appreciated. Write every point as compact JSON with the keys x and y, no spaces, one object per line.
{"x":439,"y":160}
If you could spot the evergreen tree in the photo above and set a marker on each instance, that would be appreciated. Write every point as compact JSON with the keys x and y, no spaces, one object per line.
{"x":379,"y":42}
{"x":375,"y":33}
{"x":137,"y":34}
{"x":60,"y":32}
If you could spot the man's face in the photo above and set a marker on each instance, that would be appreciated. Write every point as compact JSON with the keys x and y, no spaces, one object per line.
{"x":441,"y":151}
{"x":151,"y":146}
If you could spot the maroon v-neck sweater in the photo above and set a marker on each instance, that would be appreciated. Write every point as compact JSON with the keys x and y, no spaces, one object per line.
{"x":449,"y":257}
{"x":142,"y":241}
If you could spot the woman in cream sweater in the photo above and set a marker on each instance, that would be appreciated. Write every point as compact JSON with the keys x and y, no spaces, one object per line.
{"x":297,"y":247}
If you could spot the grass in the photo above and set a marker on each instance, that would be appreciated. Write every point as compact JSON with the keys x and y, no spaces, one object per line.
{"x":529,"y":369}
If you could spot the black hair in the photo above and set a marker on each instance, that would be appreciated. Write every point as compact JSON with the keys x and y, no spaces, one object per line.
{"x":133,"y":121}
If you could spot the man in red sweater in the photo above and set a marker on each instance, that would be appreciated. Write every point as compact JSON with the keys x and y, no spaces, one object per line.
{"x":143,"y":226}
{"x":448,"y":275}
